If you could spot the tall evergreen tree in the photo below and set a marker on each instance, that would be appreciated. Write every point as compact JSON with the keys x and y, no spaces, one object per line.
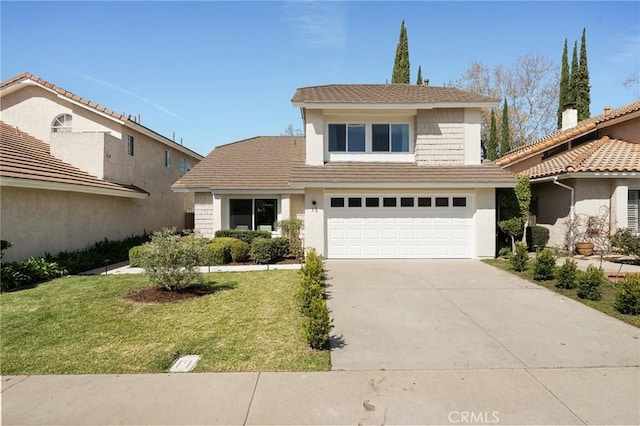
{"x":572,"y":98}
{"x":505,"y":137}
{"x":419,"y":79}
{"x":401,"y":63}
{"x":582,"y":86}
{"x":565,"y":80}
{"x":492,"y":146}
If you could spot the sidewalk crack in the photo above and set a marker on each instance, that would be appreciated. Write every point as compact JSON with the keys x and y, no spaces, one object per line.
{"x":246,"y":417}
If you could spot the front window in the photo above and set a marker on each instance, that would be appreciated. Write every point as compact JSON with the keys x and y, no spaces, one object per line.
{"x":633,"y":210}
{"x":130,"y":145}
{"x":390,"y":137}
{"x":167,"y":159}
{"x":346,"y":137}
{"x":61,"y":124}
{"x":259,"y":213}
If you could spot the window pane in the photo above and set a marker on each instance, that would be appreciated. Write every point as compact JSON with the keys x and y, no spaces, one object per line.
{"x":356,"y":137}
{"x":442,"y":202}
{"x":459,"y":201}
{"x":355,"y":202}
{"x":380,"y":137}
{"x":266,"y":212}
{"x":372,"y":202}
{"x":633,"y":210}
{"x":337,"y":137}
{"x":389,"y":202}
{"x":337,"y":202}
{"x":240,"y":214}
{"x":424,"y":202}
{"x":400,"y":137}
{"x":406,"y":202}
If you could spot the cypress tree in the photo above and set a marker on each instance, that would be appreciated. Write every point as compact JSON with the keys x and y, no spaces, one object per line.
{"x":582,"y":87}
{"x":505,"y":141}
{"x":419,"y":79}
{"x":492,"y":147}
{"x":565,"y":80}
{"x":401,"y":63}
{"x":572,"y":97}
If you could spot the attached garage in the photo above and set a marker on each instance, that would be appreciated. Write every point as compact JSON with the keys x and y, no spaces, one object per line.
{"x":408,"y":226}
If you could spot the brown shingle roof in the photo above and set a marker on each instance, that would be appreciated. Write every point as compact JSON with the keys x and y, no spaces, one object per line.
{"x":601,"y":155}
{"x":398,"y":173}
{"x":24,"y":157}
{"x":260,"y":163}
{"x":385,"y":94}
{"x":560,"y":136}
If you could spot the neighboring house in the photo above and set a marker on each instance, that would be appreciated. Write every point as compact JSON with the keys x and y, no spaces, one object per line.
{"x":383,"y":171}
{"x":73,"y":172}
{"x":591,"y":167}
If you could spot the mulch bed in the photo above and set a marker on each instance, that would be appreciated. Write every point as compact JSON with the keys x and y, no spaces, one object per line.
{"x":161,"y":295}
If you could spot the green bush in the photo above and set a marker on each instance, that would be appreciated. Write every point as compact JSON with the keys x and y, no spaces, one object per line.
{"x":626,"y":242}
{"x":545,"y":265}
{"x":567,"y":274}
{"x":628,"y":295}
{"x":313,"y":266}
{"x":12,"y":277}
{"x":134,"y":256}
{"x":520,"y":258}
{"x":504,"y":252}
{"x":239,"y":251}
{"x":537,"y":237}
{"x":279,"y":248}
{"x":246,"y":235}
{"x":171,"y":261}
{"x":215,"y":253}
{"x":261,"y":251}
{"x":588,"y":283}
{"x":30,"y":271}
{"x":308,"y":290}
{"x":317,"y":326}
{"x":290,"y":228}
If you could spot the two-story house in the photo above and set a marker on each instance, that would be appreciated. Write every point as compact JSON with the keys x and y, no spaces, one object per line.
{"x":73,"y":172}
{"x":383,"y":171}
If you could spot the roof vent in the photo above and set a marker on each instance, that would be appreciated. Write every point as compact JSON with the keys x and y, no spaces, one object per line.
{"x":426,"y":81}
{"x":607,"y":111}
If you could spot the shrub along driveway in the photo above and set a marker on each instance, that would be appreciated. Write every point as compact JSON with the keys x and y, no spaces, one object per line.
{"x":433,"y":314}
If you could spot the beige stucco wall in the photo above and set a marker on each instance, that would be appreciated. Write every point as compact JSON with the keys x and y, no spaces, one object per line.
{"x":440,"y":137}
{"x":314,"y":223}
{"x":484,"y":220}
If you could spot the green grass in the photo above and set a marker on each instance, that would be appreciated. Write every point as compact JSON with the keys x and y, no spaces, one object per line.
{"x":83,"y":325}
{"x":604,"y":305}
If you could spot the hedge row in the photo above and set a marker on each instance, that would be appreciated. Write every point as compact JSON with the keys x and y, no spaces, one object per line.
{"x":311,"y":300}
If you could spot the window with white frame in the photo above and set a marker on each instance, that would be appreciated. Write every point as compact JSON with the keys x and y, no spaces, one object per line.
{"x":167,"y":159}
{"x":256,"y":213}
{"x":183,"y":166}
{"x":61,"y":124}
{"x":369,"y":137}
{"x":346,"y":137}
{"x":130,"y":145}
{"x":390,"y":137}
{"x":633,"y":210}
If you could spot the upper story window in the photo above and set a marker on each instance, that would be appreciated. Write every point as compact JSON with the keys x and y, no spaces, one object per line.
{"x":346,"y":137}
{"x":130,"y":145}
{"x":62,"y":123}
{"x":167,"y":159}
{"x":390,"y":137}
{"x":183,"y":166}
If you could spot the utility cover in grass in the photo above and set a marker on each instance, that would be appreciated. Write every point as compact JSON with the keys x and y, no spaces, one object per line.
{"x":184,"y":364}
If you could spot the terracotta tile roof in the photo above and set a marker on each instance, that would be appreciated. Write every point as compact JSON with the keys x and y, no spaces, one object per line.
{"x":398,"y":173}
{"x":24,"y":157}
{"x":560,"y":136}
{"x":385,"y":94}
{"x":263,"y":162}
{"x":95,"y":106}
{"x":601,"y":155}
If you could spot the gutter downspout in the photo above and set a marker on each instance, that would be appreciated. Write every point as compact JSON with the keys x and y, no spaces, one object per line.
{"x":571,"y":209}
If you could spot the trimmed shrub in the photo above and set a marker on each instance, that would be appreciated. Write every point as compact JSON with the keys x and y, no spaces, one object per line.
{"x":215,"y":253}
{"x":239,"y":250}
{"x":567,"y":274}
{"x":171,"y":261}
{"x":504,"y":252}
{"x":317,"y":326}
{"x":537,"y":237}
{"x":261,"y":251}
{"x":246,"y":235}
{"x":134,"y":256}
{"x":313,"y":266}
{"x":520,"y":258}
{"x":588,"y":283}
{"x":308,"y":290}
{"x":628,"y":295}
{"x":545,"y":265}
{"x":279,"y":248}
{"x":30,"y":271}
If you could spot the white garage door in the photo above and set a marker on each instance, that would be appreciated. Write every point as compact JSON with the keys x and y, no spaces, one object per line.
{"x":399,"y":227}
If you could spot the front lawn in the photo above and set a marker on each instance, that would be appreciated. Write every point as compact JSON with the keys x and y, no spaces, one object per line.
{"x":246,"y":321}
{"x":608,"y":291}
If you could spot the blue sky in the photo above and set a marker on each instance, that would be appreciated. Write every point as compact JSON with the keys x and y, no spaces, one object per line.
{"x":217,"y":72}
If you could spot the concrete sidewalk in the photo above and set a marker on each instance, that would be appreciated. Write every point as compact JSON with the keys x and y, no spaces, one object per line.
{"x":490,"y":396}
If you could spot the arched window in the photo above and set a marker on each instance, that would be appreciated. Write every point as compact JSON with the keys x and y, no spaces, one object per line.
{"x":62,"y":123}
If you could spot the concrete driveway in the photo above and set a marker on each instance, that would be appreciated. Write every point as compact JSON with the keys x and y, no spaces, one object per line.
{"x":453,"y":314}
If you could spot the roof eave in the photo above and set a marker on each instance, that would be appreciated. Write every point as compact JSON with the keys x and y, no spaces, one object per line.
{"x":408,"y":105}
{"x":412,"y":185}
{"x":61,"y":186}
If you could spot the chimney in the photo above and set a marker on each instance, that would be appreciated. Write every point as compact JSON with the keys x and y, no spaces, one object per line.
{"x":607,"y":111}
{"x":569,"y":117}
{"x":426,"y":81}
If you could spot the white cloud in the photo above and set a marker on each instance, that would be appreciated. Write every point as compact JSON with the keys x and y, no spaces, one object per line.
{"x":318,"y":24}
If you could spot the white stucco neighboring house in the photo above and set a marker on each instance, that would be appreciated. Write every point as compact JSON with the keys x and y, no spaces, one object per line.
{"x":585,"y":169}
{"x":73,"y":172}
{"x":382,"y":171}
